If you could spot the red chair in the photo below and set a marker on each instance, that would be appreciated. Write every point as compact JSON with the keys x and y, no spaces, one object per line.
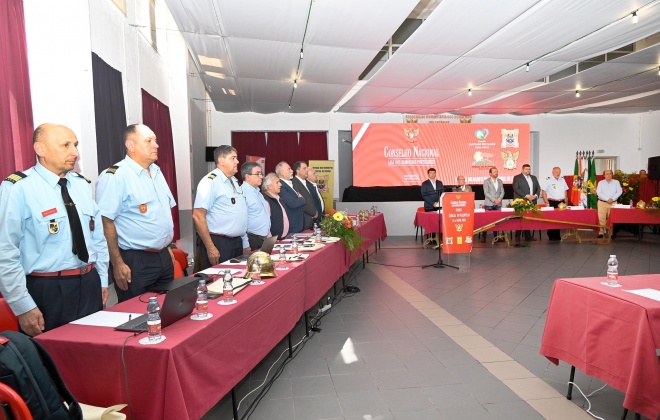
{"x":8,"y":321}
{"x":17,"y":406}
{"x":182,"y":258}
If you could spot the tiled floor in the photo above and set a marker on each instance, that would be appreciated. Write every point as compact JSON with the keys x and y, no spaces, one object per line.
{"x":443,"y":343}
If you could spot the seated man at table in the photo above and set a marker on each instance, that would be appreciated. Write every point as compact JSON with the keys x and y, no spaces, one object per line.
{"x":608,"y":191}
{"x":461,"y":186}
{"x":432,"y":189}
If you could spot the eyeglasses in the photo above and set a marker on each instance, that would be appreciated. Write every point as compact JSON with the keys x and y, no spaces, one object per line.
{"x":257,"y":174}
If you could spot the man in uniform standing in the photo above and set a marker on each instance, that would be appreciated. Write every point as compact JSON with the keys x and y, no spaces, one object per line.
{"x":220,"y":211}
{"x":53,"y":255}
{"x":554,"y":192}
{"x":135,"y":202}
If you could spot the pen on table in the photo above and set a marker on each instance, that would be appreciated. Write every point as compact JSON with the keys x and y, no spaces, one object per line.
{"x":130,"y":316}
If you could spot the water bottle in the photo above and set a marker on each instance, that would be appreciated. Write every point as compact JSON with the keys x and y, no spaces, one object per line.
{"x":294,"y":246}
{"x":227,"y":288}
{"x":282,"y":264}
{"x":153,"y":319}
{"x":612,"y":271}
{"x":317,"y":234}
{"x":202,"y":304}
{"x":256,"y":273}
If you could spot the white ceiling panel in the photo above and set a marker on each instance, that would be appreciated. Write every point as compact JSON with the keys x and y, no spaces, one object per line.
{"x":520,"y":77}
{"x":269,"y":108}
{"x":363,"y":24}
{"x":281,"y":20}
{"x":459,"y":74}
{"x":420,"y":98}
{"x":269,"y":91}
{"x":334,"y":65}
{"x":258,"y":59}
{"x":195,"y":16}
{"x":405,"y":69}
{"x":456,"y":26}
{"x":595,"y":76}
{"x":461,"y":100}
{"x":319,"y":94}
{"x":375,"y":96}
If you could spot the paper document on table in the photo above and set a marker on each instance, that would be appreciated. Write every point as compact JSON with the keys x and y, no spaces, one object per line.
{"x":238,"y":283}
{"x":648,"y":293}
{"x":106,"y":319}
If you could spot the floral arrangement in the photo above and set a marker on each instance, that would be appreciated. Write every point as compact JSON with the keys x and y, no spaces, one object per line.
{"x":521,"y":205}
{"x":654,"y":203}
{"x":338,"y":224}
{"x":629,"y":186}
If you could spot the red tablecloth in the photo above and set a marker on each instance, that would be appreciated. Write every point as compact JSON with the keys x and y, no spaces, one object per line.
{"x":201,"y":361}
{"x":610,"y":334}
{"x":575,"y":218}
{"x":370,"y":231}
{"x":633,"y":216}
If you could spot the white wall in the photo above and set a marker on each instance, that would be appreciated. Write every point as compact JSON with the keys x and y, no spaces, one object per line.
{"x":649,"y":137}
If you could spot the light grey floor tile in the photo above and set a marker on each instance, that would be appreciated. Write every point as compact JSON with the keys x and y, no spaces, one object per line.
{"x":307,"y":386}
{"x":411,"y":399}
{"x":317,"y":408}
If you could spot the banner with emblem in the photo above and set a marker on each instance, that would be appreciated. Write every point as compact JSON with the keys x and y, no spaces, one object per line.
{"x":325,"y":171}
{"x":259,"y":159}
{"x":457,"y":222}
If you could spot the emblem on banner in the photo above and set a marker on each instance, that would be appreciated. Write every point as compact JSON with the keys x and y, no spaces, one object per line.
{"x":510,"y":159}
{"x":510,"y":138}
{"x":459,"y":227}
{"x":450,"y":241}
{"x":143,"y":208}
{"x":468,"y":239}
{"x":53,"y":227}
{"x":459,"y":240}
{"x":411,"y":133}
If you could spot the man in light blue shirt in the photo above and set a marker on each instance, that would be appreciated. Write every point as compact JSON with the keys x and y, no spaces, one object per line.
{"x":44,"y":282}
{"x":608,"y":191}
{"x":135,"y":202}
{"x":220,"y":212}
{"x":258,"y":224}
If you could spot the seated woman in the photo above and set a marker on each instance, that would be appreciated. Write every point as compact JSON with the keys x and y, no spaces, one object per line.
{"x":279,"y":222}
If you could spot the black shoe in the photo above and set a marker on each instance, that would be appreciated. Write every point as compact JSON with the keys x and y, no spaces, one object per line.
{"x":600,"y":236}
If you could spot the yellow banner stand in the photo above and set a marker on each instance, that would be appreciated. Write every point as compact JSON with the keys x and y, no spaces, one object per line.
{"x":325,"y":170}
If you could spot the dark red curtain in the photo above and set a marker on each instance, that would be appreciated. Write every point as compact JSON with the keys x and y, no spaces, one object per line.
{"x":156,"y":115}
{"x":282,"y":145}
{"x":313,"y":145}
{"x":251,"y":143}
{"x":16,"y":125}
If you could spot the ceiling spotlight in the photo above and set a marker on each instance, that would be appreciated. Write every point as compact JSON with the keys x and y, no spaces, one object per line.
{"x":635,"y":19}
{"x":470,"y":92}
{"x":577,"y":93}
{"x":295,"y":83}
{"x":289,"y":106}
{"x":301,"y":53}
{"x":527,"y":67}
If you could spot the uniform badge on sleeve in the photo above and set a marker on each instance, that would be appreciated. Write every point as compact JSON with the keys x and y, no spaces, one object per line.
{"x":143,"y":208}
{"x":53,"y":227}
{"x":91,"y":223}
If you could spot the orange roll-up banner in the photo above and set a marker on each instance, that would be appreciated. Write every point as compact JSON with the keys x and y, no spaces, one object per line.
{"x":457,"y":222}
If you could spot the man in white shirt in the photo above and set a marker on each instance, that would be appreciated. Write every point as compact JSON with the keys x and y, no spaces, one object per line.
{"x":554,"y":192}
{"x":608,"y":191}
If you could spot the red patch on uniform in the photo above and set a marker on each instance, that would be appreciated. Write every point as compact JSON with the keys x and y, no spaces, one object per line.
{"x":49,"y":212}
{"x":143,"y":208}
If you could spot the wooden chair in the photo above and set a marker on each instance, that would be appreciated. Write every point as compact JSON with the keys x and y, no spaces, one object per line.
{"x":11,"y":402}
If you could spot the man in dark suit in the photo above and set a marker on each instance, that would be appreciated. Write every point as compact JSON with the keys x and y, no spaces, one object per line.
{"x":315,"y":191}
{"x":432,"y":189}
{"x":526,"y":186}
{"x":299,"y":182}
{"x":293,"y":202}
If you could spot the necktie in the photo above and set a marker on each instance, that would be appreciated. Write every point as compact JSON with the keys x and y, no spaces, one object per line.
{"x":79,"y":246}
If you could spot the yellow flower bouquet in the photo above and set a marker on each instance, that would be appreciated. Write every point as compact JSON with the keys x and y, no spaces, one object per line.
{"x":338,"y":224}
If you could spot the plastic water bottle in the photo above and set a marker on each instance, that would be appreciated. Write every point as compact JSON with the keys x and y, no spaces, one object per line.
{"x":317,"y":234}
{"x":202,"y":304}
{"x":153,"y":319}
{"x":227,"y":288}
{"x":256,"y":273}
{"x":294,"y":246}
{"x":612,"y":271}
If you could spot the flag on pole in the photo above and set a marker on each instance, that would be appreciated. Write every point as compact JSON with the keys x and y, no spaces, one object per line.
{"x":575,"y":190}
{"x":593,"y":197}
{"x":584,"y":175}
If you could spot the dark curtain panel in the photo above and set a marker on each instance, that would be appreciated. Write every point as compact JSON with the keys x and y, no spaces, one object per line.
{"x":251,"y":143}
{"x":16,"y":125}
{"x":282,"y":145}
{"x":313,"y":145}
{"x":109,"y":113}
{"x":156,"y":116}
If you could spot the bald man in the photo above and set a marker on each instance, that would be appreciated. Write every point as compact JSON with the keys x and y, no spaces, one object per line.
{"x":53,"y":254}
{"x":135,"y":202}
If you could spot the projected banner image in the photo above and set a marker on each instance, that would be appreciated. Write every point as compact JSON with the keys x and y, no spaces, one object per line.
{"x":387,"y":154}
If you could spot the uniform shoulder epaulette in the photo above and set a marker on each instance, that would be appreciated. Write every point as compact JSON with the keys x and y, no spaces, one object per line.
{"x":15,"y":177}
{"x":83,"y":177}
{"x":111,"y":170}
{"x":211,"y":176}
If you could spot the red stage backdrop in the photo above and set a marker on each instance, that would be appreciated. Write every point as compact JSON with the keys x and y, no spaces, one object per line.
{"x":388,"y":154}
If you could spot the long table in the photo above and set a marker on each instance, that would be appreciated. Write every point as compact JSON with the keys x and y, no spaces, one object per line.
{"x":633,"y":216}
{"x":200,"y":361}
{"x":568,"y":219}
{"x":610,"y":334}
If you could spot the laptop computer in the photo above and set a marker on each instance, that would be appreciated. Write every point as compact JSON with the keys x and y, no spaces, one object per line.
{"x":166,"y":286}
{"x":178,"y":303}
{"x":266,"y":247}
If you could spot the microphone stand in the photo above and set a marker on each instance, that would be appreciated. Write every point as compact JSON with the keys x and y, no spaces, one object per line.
{"x":440,"y":263}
